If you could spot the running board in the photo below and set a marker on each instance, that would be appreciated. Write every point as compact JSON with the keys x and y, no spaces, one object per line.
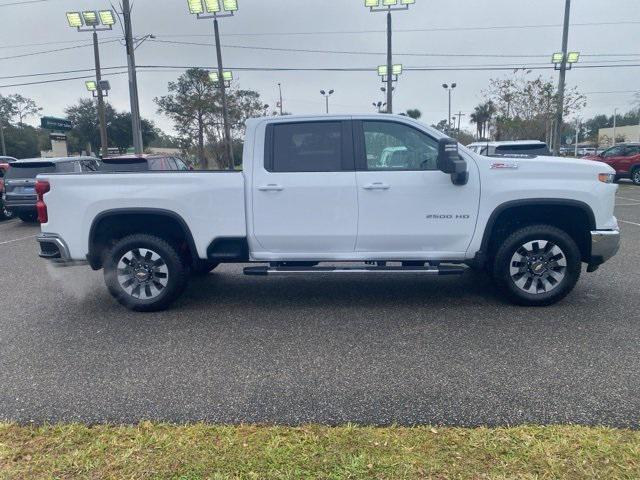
{"x":441,"y":270}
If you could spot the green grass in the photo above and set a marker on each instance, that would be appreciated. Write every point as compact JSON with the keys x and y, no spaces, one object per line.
{"x":218,"y":452}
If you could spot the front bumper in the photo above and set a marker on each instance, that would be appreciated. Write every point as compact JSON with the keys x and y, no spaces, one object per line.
{"x":604,"y":245}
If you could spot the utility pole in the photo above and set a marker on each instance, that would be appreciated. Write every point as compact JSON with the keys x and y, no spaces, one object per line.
{"x":615,"y":118}
{"x":104,"y":142}
{"x":577,"y":135}
{"x":133,"y":79}
{"x":557,"y":137}
{"x":460,"y":115}
{"x":280,"y":89}
{"x":4,"y":147}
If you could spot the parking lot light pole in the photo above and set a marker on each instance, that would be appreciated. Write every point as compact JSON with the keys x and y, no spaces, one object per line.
{"x":93,"y":21}
{"x":388,"y":6}
{"x":212,"y":9}
{"x":326,"y":96}
{"x":449,"y":89}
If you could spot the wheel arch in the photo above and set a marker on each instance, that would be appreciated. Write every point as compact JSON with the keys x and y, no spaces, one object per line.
{"x":111,"y":225}
{"x":573,"y":216}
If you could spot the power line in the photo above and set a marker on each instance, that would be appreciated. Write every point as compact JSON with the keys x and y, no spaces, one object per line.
{"x":415,"y":30}
{"x":40,"y":44}
{"x":57,"y":80}
{"x":172,"y":68}
{"x":62,"y":72}
{"x":42,"y":52}
{"x":350,"y":52}
{"x":22,"y":2}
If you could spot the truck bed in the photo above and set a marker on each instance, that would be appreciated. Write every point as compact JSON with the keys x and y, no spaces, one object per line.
{"x":211,"y":202}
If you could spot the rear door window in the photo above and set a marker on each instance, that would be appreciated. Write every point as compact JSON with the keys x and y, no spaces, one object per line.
{"x":309,"y":147}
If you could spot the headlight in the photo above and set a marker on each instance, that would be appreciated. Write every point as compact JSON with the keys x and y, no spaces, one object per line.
{"x":607,"y":177}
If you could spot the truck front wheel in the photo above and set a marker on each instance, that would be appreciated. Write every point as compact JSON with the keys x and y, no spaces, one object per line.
{"x":537,"y":265}
{"x":144,"y":273}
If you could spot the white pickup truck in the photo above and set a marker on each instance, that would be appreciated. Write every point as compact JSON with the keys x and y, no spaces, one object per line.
{"x":384,"y":192}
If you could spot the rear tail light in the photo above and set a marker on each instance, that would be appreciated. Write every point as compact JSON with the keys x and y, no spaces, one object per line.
{"x":42,"y":187}
{"x":1,"y":186}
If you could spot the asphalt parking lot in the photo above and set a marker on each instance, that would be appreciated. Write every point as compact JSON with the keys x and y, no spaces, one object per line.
{"x":381,"y":350}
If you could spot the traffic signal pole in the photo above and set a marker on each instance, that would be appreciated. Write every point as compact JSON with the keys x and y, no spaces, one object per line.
{"x":136,"y":124}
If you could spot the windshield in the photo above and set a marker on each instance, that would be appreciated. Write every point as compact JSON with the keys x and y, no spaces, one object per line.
{"x":29,"y":170}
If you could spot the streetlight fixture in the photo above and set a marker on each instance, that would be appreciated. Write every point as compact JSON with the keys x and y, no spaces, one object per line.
{"x":389,"y":6}
{"x":558,"y":58}
{"x":95,"y":21}
{"x":326,"y":96}
{"x":215,"y":9}
{"x":449,"y":89}
{"x":379,"y":106}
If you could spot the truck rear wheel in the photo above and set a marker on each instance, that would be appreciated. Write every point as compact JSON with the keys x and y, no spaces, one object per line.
{"x":144,"y":273}
{"x":635,"y":175}
{"x":537,"y":265}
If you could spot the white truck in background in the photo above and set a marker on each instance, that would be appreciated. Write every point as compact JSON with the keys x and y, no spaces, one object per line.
{"x":382,"y":190}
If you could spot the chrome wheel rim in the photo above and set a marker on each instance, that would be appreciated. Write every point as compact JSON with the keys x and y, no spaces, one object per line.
{"x":142,"y":273}
{"x":538,"y":267}
{"x":636,"y":176}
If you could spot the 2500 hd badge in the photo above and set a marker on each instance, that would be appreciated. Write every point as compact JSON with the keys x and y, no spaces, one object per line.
{"x":448,"y":217}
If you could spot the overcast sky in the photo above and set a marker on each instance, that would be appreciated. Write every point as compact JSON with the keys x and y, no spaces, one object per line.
{"x":457,"y":27}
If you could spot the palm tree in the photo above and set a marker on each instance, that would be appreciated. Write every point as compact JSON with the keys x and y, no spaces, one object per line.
{"x":482,"y":116}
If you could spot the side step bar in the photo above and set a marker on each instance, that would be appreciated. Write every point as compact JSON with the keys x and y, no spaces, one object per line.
{"x":441,"y":270}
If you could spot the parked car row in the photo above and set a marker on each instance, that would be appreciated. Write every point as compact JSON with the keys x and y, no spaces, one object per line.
{"x":18,"y":177}
{"x":624,"y":157}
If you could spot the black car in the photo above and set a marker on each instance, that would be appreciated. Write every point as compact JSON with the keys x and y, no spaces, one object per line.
{"x":20,"y":181}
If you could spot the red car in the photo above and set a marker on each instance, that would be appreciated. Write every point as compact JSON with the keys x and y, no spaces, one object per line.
{"x":624,"y":158}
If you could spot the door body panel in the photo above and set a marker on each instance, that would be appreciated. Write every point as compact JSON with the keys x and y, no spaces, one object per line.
{"x":407,"y":207}
{"x":419,"y":212}
{"x":305,"y":212}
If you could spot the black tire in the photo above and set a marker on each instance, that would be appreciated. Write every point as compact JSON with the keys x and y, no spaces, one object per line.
{"x":549,"y":281}
{"x":203,"y":268}
{"x":28,"y":217}
{"x":171,"y":267}
{"x":635,"y":175}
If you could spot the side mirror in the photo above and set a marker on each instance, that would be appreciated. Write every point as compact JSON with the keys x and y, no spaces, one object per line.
{"x":449,"y":161}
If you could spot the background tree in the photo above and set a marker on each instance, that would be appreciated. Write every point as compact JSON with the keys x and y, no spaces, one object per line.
{"x":191,"y":105}
{"x":481,"y":116}
{"x":85,"y":135}
{"x":194,"y":106}
{"x":525,"y":107}
{"x":24,"y":108}
{"x":413,"y":113}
